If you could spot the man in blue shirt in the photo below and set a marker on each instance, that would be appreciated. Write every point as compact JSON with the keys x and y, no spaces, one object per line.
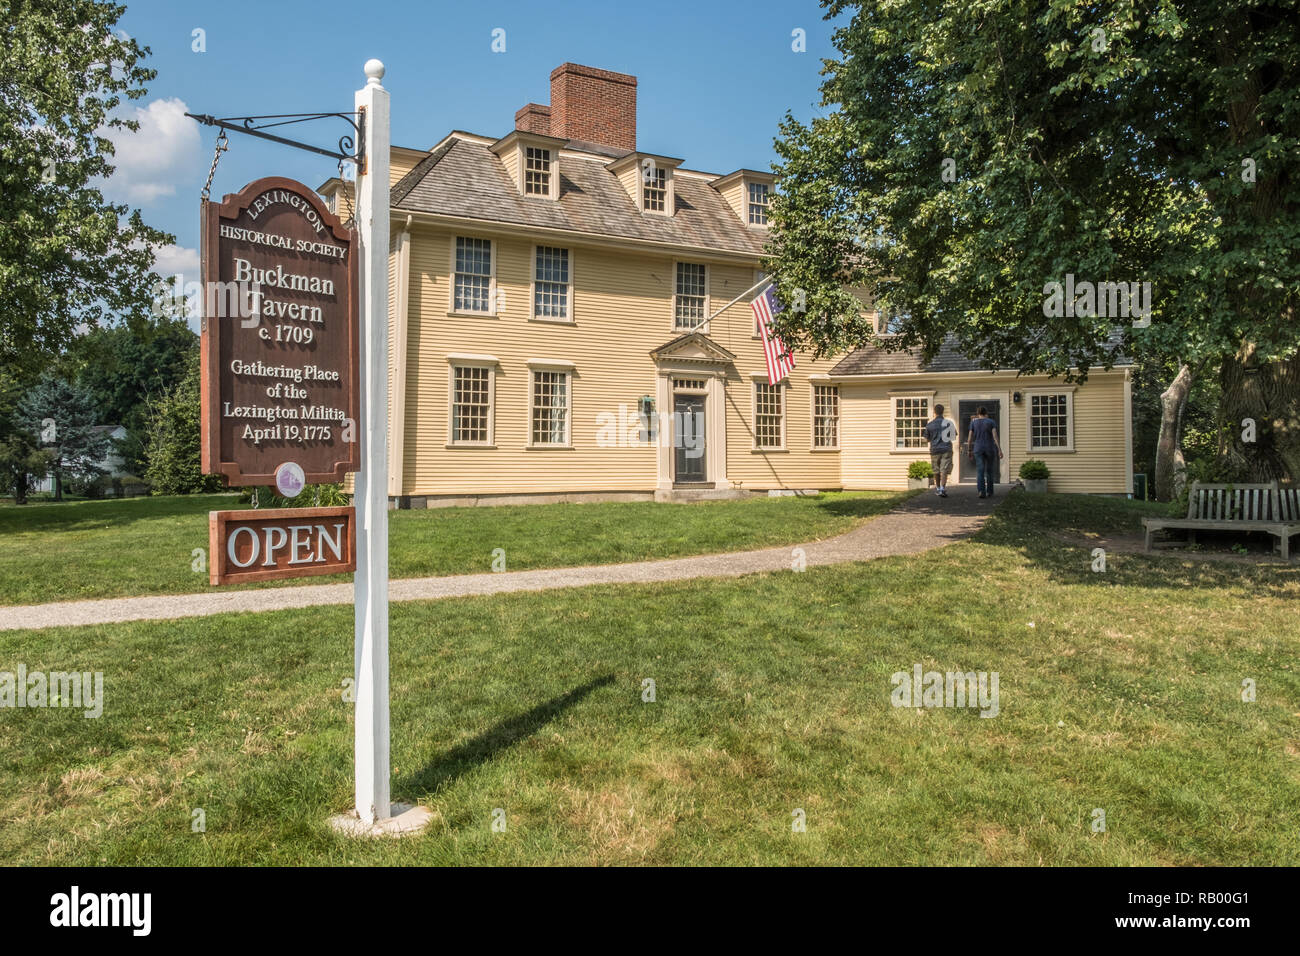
{"x":941,"y":433}
{"x":982,"y":442}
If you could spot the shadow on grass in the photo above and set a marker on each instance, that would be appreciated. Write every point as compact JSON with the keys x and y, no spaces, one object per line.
{"x":1027,"y":524}
{"x":87,"y":515}
{"x":442,"y":770}
{"x":843,"y":507}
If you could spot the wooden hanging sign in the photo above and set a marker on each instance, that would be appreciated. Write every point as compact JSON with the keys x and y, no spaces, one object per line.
{"x":280,"y":349}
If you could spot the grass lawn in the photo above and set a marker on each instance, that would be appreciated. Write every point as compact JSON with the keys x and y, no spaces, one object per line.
{"x":97,"y":549}
{"x":773,"y":695}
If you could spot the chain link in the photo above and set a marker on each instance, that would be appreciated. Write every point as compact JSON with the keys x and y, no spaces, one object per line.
{"x":222,"y":146}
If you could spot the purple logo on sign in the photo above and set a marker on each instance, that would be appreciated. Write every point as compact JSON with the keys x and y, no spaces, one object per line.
{"x":290,"y":479}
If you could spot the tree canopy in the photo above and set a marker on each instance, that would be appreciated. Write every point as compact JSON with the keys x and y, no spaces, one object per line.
{"x":972,"y":154}
{"x":68,"y":257}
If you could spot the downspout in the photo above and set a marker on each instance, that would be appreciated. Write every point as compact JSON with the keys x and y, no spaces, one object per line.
{"x":1128,"y":436}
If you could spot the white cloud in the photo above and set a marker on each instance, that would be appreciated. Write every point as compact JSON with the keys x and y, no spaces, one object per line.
{"x":178,"y":266}
{"x":152,"y":161}
{"x":177,"y":260}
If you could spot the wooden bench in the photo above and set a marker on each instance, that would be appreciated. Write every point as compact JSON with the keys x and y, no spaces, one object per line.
{"x":1245,"y":507}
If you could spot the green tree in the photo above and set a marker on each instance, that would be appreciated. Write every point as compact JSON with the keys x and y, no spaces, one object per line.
{"x":62,"y":417}
{"x":20,"y":460}
{"x":172,"y":455}
{"x":128,"y":366}
{"x":21,"y":457}
{"x":974,"y":153}
{"x":68,"y":258}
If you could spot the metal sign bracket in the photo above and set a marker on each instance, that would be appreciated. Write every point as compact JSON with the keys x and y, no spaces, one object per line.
{"x":350,"y":148}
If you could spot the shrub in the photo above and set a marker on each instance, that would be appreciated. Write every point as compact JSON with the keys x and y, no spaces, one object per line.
{"x":89,"y":486}
{"x":313,"y":496}
{"x":920,"y":469}
{"x":1033,"y":469}
{"x":172,"y":454}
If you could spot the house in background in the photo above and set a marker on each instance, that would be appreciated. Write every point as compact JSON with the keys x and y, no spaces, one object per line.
{"x":553,"y":334}
{"x":1084,"y":433}
{"x":113,"y":466}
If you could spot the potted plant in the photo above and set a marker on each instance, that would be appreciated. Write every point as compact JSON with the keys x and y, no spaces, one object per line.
{"x":919,"y":475}
{"x":1034,"y":473}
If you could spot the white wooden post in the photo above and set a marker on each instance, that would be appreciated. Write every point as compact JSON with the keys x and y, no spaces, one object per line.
{"x":371,"y":581}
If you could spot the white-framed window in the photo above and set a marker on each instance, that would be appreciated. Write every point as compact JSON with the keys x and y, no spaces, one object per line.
{"x":654,"y":189}
{"x":1051,"y":420}
{"x":890,"y":321}
{"x":691,"y":297}
{"x":537,"y":171}
{"x":769,"y":415}
{"x":472,"y":281}
{"x":760,"y":198}
{"x":911,"y":412}
{"x":826,"y":416}
{"x":548,"y":412}
{"x":552,"y":284}
{"x":471,"y":389}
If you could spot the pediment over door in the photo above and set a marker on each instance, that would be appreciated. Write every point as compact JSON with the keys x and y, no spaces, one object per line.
{"x":693,"y":347}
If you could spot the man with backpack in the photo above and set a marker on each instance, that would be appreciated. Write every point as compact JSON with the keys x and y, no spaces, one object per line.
{"x":941,"y":433}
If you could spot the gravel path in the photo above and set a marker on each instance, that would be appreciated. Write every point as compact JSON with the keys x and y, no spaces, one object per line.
{"x":919,"y":524}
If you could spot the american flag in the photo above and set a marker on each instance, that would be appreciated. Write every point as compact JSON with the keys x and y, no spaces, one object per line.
{"x":780,"y":361}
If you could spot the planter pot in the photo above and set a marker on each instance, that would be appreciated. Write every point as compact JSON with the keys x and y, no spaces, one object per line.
{"x":918,"y":484}
{"x":1035,"y":484}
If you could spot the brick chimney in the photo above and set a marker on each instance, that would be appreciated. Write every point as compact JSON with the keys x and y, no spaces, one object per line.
{"x":534,"y":118}
{"x":591,"y":105}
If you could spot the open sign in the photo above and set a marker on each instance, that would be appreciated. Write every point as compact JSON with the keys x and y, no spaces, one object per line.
{"x":271,"y":543}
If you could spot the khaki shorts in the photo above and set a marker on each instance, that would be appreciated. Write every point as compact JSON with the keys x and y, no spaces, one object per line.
{"x":941,"y":462}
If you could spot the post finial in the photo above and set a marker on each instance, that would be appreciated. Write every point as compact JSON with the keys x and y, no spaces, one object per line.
{"x":374,"y":71}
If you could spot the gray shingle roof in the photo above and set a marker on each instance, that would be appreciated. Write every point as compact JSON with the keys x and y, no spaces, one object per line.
{"x":870,"y":360}
{"x":467,"y":180}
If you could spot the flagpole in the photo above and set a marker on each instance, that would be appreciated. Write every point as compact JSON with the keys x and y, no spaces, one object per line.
{"x":763,"y":281}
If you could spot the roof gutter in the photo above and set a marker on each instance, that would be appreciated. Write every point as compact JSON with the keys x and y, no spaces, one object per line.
{"x":579,"y":238}
{"x":860,"y":377}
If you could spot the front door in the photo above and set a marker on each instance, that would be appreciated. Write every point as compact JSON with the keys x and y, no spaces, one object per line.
{"x":688,"y":438}
{"x":965,"y":412}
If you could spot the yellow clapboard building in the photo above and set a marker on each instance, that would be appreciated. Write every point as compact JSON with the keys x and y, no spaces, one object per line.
{"x":553,"y":335}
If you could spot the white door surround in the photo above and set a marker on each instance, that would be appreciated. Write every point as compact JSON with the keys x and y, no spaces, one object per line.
{"x":696,"y":357}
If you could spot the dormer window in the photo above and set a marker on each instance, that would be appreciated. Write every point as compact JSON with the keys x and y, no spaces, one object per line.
{"x":648,"y":179}
{"x":759,"y":199}
{"x":654,"y":189}
{"x":749,"y":194}
{"x":533,"y":162}
{"x":537,"y":171}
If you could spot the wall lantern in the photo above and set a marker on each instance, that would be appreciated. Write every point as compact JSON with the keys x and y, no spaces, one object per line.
{"x":646,"y":409}
{"x":1015,"y":398}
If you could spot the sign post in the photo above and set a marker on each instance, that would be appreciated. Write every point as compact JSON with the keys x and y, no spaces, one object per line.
{"x":291,"y":387}
{"x":373,"y":801}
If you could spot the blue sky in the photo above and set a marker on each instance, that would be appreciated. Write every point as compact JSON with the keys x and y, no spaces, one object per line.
{"x":714,"y":79}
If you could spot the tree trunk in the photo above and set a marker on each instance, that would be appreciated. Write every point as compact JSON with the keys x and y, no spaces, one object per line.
{"x":1267,"y":396}
{"x":1169,"y":445}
